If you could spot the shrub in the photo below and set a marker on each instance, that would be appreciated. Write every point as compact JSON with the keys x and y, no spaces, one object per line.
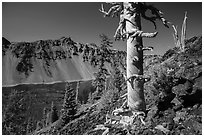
{"x":168,"y":54}
{"x":39,"y":125}
{"x":30,"y":126}
{"x":163,"y":81}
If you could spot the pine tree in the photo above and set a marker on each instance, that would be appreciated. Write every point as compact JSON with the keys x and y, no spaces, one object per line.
{"x":118,"y":78}
{"x":48,"y":118}
{"x":44,"y":118}
{"x":103,"y":56}
{"x":54,"y":115}
{"x":69,"y":107}
{"x":90,"y":98}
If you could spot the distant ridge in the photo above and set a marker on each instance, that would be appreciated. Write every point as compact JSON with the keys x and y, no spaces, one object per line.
{"x":46,"y":61}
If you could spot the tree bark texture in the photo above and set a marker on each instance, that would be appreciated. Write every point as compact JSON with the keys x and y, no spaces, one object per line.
{"x":129,"y":28}
{"x":136,"y":100}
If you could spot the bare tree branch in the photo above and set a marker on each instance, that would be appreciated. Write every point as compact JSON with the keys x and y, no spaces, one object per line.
{"x":148,"y":48}
{"x":114,"y":3}
{"x":157,"y":14}
{"x":120,"y":31}
{"x":138,"y":33}
{"x":110,"y":12}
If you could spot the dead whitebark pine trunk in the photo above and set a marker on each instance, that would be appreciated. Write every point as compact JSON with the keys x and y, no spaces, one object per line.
{"x":130,"y":29}
{"x":183,"y":32}
{"x":180,"y":43}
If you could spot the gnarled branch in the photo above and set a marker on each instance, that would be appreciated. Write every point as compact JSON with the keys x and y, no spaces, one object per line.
{"x":148,"y":48}
{"x":157,"y":14}
{"x":138,"y":33}
{"x":112,"y":11}
{"x":120,"y":31}
{"x":138,"y":77}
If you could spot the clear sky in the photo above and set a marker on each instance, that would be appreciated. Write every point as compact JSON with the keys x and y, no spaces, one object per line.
{"x":83,"y":22}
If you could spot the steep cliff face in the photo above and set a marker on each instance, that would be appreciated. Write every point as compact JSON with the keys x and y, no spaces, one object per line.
{"x":47,"y":61}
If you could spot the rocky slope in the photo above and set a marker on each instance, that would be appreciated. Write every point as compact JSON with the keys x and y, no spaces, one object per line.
{"x":173,"y":97}
{"x":35,"y":75}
